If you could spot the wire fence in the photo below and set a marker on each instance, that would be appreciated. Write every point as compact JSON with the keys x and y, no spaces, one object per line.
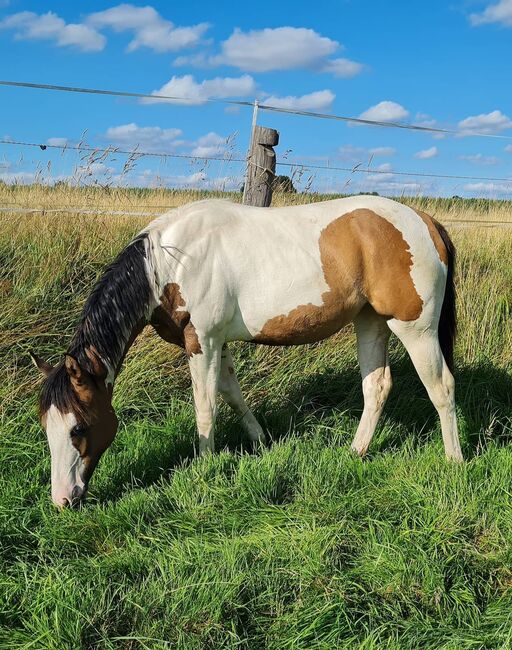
{"x":296,"y":164}
{"x":157,"y":212}
{"x":261,"y":106}
{"x":302,"y":171}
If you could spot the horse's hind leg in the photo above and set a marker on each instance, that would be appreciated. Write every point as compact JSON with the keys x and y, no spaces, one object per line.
{"x":372,"y":353}
{"x":229,"y":388}
{"x":423,"y":347}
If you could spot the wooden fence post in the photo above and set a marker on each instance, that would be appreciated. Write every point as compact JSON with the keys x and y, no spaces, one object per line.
{"x":261,"y":167}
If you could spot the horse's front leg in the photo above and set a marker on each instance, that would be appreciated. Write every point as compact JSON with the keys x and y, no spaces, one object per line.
{"x":205,"y":370}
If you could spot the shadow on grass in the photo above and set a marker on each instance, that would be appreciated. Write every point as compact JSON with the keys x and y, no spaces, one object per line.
{"x":484,"y":402}
{"x":483,"y":398}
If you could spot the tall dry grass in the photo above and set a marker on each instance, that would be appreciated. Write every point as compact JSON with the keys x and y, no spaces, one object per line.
{"x":302,"y":546}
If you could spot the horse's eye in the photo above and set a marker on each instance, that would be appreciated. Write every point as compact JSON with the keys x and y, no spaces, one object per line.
{"x":78,"y":430}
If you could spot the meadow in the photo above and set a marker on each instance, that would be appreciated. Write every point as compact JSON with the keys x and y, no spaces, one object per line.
{"x":299,"y":546}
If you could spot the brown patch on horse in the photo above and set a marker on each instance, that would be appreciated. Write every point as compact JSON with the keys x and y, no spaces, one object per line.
{"x":86,"y":396}
{"x":99,"y":419}
{"x":99,"y":430}
{"x":364,"y":259}
{"x":431,"y":224}
{"x":387,"y":263}
{"x":172,"y":323}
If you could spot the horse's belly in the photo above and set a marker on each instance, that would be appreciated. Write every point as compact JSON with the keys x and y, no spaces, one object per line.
{"x":308,"y":323}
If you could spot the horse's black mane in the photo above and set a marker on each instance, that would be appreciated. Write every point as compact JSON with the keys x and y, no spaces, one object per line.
{"x":118,"y":302}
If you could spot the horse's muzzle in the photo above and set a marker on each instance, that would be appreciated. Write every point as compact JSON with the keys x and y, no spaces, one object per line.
{"x":75,"y":500}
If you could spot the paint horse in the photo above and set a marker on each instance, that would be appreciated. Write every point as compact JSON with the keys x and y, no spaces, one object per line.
{"x":214,"y":271}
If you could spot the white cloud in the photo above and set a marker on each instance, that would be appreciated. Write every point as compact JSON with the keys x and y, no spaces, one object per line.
{"x":149,"y":28}
{"x":211,"y":144}
{"x":480,"y":159}
{"x":424,"y":154}
{"x":23,"y":178}
{"x":385,"y":111}
{"x":282,"y":48}
{"x":154,"y":138}
{"x":491,"y":189}
{"x":144,"y":137}
{"x":103,"y":174}
{"x":98,"y":169}
{"x":350,"y":153}
{"x":384,"y":167}
{"x":380,"y":178}
{"x":353,"y":154}
{"x":200,"y":60}
{"x":384,"y":184}
{"x":383,"y":151}
{"x":319,"y":100}
{"x":195,"y":180}
{"x":501,"y":13}
{"x":344,"y":68}
{"x":508,"y":148}
{"x":192,"y":92}
{"x":57,"y":142}
{"x":31,"y":26}
{"x":423,"y":119}
{"x":489,"y":123}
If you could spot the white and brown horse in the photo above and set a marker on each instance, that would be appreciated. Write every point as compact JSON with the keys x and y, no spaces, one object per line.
{"x":212,"y":272}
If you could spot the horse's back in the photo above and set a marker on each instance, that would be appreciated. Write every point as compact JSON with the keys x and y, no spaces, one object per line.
{"x":299,"y":273}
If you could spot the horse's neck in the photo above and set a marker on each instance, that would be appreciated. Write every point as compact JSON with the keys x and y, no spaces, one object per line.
{"x":117,"y":310}
{"x":129,"y":342}
{"x":112,"y":357}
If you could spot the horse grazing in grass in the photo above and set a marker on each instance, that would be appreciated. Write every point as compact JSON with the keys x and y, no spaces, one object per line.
{"x":214,"y":271}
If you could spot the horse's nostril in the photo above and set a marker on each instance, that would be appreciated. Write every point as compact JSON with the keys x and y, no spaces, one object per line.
{"x":65,"y":503}
{"x":77,"y":497}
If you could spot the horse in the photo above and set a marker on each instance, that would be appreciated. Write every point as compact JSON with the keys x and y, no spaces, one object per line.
{"x":213,"y":271}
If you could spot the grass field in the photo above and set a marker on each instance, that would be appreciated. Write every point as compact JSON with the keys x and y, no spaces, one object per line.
{"x":301,"y":546}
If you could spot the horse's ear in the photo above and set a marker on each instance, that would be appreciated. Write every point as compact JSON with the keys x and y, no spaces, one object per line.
{"x":40,"y":364}
{"x":75,"y":371}
{"x":98,"y":367}
{"x":80,"y":379}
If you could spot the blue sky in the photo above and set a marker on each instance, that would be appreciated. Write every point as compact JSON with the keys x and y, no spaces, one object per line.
{"x":445,"y":64}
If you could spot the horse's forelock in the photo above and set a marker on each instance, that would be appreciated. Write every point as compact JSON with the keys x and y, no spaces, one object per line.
{"x":57,"y":390}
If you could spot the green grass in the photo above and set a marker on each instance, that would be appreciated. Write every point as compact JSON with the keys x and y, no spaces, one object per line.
{"x":299,"y":546}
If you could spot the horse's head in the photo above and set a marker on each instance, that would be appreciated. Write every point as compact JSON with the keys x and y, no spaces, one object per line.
{"x":76,"y":412}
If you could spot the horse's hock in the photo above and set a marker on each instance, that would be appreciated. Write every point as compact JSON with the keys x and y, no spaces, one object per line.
{"x":261,"y":167}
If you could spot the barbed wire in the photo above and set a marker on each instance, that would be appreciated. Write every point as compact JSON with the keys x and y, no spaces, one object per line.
{"x":357,"y":169}
{"x":113,"y":150}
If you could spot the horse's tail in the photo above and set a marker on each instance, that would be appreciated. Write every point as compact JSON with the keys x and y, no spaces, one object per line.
{"x":447,"y":329}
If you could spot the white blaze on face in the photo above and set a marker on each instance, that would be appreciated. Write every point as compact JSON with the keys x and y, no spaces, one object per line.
{"x":67,"y":466}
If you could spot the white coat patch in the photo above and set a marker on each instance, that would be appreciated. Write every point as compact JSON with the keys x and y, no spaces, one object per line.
{"x":67,"y":466}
